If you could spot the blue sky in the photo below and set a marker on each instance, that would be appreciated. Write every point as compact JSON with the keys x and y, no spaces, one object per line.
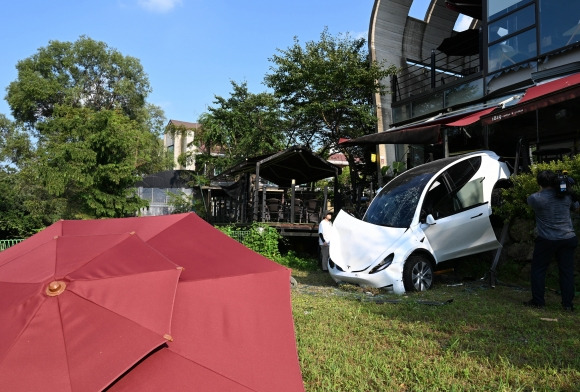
{"x":190,"y":49}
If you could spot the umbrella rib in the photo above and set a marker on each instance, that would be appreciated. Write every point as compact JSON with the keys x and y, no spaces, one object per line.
{"x":24,"y":327}
{"x":71,"y":291}
{"x":213,"y":371}
{"x":103,"y":251}
{"x":21,"y":255}
{"x":64,"y":342}
{"x":168,"y":227}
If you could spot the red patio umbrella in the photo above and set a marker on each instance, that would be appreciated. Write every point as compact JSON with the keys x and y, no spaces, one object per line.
{"x":78,"y":311}
{"x":232,"y":323}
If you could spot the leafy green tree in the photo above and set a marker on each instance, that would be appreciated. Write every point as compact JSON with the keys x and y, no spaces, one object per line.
{"x":85,"y":73}
{"x":90,"y":132}
{"x":18,"y":193}
{"x":241,"y":126}
{"x":326,"y":90}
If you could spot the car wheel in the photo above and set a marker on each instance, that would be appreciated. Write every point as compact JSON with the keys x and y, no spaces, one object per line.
{"x":293,"y":282}
{"x":417,"y":274}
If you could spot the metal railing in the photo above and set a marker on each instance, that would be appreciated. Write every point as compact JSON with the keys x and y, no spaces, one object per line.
{"x":239,"y":235}
{"x":4,"y":244}
{"x":423,"y":76}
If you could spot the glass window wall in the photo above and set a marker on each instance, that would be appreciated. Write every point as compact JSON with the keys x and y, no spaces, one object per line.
{"x":559,"y":24}
{"x":498,"y":8}
{"x":511,"y":24}
{"x":514,"y":50}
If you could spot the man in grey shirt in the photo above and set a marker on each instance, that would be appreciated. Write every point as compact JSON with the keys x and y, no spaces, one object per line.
{"x":555,"y":236}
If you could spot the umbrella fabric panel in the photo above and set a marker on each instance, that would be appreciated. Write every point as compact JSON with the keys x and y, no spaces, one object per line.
{"x":188,"y":241}
{"x":41,"y":362}
{"x":83,"y":351}
{"x":207,"y":253}
{"x":56,"y":257}
{"x":229,"y":335}
{"x":145,"y":227}
{"x":18,"y":303}
{"x":32,"y":242}
{"x":241,"y":328}
{"x":167,"y":371}
{"x":226,"y":293}
{"x":103,"y":318}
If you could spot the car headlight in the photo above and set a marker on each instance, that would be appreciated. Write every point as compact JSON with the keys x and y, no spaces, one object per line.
{"x":383,"y":264}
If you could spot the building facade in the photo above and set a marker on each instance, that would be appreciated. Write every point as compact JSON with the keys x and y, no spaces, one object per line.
{"x":509,"y":74}
{"x":178,"y":140}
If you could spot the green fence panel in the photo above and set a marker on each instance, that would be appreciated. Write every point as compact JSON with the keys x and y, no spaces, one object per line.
{"x":8,"y":243}
{"x":239,"y":235}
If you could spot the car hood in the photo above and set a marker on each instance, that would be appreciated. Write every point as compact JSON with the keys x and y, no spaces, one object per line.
{"x":357,"y":244}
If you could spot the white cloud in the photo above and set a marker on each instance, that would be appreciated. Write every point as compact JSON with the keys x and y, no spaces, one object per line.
{"x":159,"y":5}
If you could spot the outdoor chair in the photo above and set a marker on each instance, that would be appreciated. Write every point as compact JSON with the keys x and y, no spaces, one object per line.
{"x":297,"y":210}
{"x":312,"y":211}
{"x":274,"y":210}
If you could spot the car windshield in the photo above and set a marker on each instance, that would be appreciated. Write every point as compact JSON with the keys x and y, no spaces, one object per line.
{"x":396,"y":203}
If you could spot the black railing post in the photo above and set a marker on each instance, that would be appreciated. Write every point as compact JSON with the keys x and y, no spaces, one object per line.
{"x":432,"y":68}
{"x":480,"y":60}
{"x":394,"y":88}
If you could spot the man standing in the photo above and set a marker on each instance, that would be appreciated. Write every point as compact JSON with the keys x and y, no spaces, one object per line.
{"x":324,"y":234}
{"x":555,"y":236}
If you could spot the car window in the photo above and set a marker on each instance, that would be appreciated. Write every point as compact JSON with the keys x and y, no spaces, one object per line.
{"x":471,"y":194}
{"x":397,"y":202}
{"x":454,"y":190}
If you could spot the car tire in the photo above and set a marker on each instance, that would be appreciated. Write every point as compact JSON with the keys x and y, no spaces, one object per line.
{"x":418,"y":273}
{"x":293,"y":283}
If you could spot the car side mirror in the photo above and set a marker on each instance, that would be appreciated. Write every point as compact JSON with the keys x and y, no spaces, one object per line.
{"x":430,"y":220}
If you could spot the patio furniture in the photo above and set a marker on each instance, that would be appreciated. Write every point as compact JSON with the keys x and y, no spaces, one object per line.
{"x":312,"y":211}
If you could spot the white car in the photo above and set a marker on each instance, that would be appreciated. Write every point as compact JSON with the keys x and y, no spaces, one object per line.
{"x":431,"y":213}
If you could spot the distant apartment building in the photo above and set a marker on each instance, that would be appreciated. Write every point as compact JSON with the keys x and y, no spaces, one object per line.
{"x":178,"y":140}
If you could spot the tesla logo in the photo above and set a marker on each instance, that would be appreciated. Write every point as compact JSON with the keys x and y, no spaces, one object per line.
{"x":348,"y":266}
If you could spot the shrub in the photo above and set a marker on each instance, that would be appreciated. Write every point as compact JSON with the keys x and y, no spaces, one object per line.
{"x":261,"y":238}
{"x":514,"y":199}
{"x":264,"y":240}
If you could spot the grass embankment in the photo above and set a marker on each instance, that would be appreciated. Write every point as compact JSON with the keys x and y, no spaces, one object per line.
{"x":484,"y":340}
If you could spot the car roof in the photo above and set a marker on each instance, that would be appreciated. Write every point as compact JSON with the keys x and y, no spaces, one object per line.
{"x":435,"y":166}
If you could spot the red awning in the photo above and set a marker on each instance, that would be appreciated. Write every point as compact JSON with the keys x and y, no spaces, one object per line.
{"x":472,"y":118}
{"x":427,"y":132}
{"x":538,"y":97}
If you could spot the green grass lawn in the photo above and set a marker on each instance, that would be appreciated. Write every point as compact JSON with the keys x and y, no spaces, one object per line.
{"x":351,"y":339}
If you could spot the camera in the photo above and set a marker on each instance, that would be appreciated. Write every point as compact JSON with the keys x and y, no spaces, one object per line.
{"x":563,"y":183}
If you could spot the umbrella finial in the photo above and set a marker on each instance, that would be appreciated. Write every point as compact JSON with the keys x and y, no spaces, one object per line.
{"x":55,"y":288}
{"x":168,"y":337}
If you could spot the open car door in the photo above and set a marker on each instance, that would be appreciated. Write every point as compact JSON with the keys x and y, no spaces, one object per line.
{"x":456,"y":213}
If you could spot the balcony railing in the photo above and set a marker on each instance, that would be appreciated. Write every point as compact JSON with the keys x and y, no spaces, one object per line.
{"x":424,"y":76}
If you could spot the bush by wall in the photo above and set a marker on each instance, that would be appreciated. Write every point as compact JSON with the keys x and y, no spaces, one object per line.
{"x":264,"y":240}
{"x":514,"y":199}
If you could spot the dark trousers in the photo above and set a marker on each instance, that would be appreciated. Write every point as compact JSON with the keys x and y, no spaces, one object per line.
{"x":324,"y":253}
{"x":544,"y":250}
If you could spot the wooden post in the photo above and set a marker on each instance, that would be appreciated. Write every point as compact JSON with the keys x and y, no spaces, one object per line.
{"x":292,"y":200}
{"x":256,"y":193}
